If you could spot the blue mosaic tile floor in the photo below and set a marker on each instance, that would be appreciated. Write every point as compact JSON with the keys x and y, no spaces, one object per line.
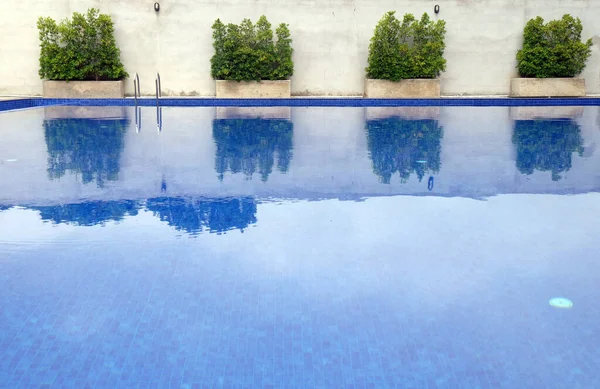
{"x":292,"y":305}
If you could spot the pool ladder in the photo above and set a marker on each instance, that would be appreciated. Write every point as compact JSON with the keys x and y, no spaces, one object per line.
{"x":138,"y":109}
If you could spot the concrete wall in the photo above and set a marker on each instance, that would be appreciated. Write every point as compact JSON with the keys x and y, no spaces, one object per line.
{"x":331,"y":39}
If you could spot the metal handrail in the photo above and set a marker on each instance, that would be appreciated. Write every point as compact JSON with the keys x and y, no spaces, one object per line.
{"x":138,"y":111}
{"x":136,"y":87}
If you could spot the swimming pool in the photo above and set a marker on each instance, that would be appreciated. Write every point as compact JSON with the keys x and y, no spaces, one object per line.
{"x":300,"y":247}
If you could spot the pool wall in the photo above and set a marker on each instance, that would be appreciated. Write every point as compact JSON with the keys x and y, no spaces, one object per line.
{"x":330,"y":40}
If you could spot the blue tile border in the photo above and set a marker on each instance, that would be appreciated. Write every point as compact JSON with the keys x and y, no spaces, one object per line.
{"x":8,"y":105}
{"x":305,"y":102}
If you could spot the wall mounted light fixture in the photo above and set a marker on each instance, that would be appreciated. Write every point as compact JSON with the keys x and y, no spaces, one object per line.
{"x":156,"y":7}
{"x":436,"y":9}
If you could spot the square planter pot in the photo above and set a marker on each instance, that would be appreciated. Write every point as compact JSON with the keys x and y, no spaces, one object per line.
{"x":417,"y":88}
{"x":84,"y":89}
{"x":547,"y":87}
{"x":253,"y":89}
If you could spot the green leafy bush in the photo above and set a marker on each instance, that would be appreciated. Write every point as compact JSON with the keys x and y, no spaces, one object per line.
{"x":248,"y":52}
{"x":554,"y":49}
{"x":83,"y":48}
{"x":411,"y":49}
{"x":404,"y":146}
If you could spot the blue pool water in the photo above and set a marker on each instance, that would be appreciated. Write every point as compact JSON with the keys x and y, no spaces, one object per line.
{"x":303,"y":247}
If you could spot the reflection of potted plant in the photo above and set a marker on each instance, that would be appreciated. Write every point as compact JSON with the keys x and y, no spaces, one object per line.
{"x":249,"y":146}
{"x":248,"y":62}
{"x":552,"y":55}
{"x":89,"y":213}
{"x":193,"y":215}
{"x":405,"y":58}
{"x":404,"y":146}
{"x":185,"y":214}
{"x":88,"y":147}
{"x":80,"y":57}
{"x":546,"y":145}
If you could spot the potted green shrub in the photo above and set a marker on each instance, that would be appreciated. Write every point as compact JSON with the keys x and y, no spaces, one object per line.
{"x":80,"y":57}
{"x":552,"y":56}
{"x":405,"y":58}
{"x":249,"y":62}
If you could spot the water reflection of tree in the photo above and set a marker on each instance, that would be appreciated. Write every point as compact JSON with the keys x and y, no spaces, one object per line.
{"x":89,"y":213}
{"x":89,"y":147}
{"x":404,"y":146}
{"x":546,"y":145}
{"x":194,"y":215}
{"x":249,"y":146}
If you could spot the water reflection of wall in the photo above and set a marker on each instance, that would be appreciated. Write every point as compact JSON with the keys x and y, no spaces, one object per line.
{"x":481,"y":154}
{"x":330,"y":148}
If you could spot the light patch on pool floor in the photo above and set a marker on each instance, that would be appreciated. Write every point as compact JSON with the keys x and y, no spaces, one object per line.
{"x":561,"y":302}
